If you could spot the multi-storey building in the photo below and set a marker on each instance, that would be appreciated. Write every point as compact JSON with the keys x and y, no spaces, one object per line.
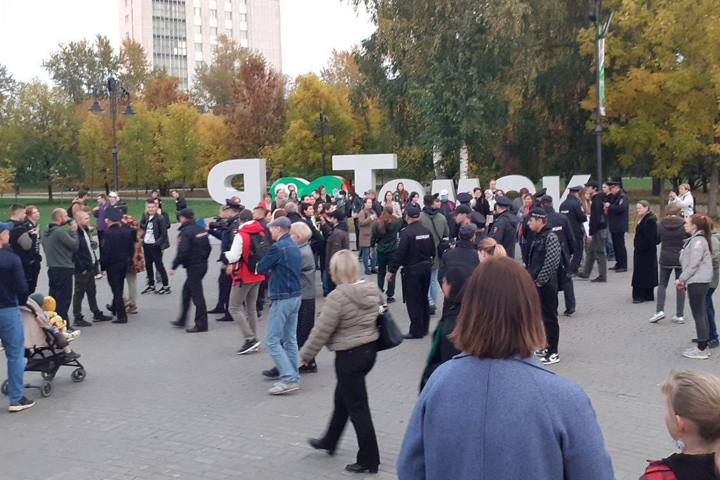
{"x":181,"y":35}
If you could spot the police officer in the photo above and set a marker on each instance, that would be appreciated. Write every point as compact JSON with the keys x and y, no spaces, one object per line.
{"x":572,"y":209}
{"x":504,"y":229}
{"x":538,"y":195}
{"x":463,"y":199}
{"x":192,"y":253}
{"x":464,"y":252}
{"x":415,"y":255}
{"x":560,"y":225}
{"x":117,"y":249}
{"x":545,"y":255}
{"x":618,"y":217}
{"x":226,"y":235}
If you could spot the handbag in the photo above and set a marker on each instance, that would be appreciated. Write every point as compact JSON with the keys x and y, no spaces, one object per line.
{"x":390,"y":335}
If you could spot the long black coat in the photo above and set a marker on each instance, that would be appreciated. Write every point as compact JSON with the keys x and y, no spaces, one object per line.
{"x":645,"y":265}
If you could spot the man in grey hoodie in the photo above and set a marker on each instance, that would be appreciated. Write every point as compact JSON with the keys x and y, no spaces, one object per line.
{"x":60,"y":244}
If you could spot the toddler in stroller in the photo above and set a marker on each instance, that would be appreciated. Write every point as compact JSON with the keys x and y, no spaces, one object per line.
{"x":46,"y":347}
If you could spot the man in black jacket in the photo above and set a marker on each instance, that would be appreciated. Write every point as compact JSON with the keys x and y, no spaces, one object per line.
{"x":415,"y":255}
{"x":464,"y":252}
{"x":21,"y":242}
{"x":193,"y":253}
{"x":504,"y":229}
{"x":572,"y":209}
{"x":116,"y":253}
{"x":560,"y":226}
{"x":155,"y":240}
{"x":231,"y":213}
{"x":618,"y":215}
{"x":597,"y":237}
{"x":543,"y":264}
{"x":180,"y":203}
{"x":85,"y":266}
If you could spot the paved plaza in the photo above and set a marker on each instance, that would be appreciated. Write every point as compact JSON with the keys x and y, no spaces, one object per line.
{"x":162,"y":404}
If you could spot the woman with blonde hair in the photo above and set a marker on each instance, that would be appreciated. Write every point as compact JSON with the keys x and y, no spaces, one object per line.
{"x":488,"y":247}
{"x":693,"y":421}
{"x":348,"y":326}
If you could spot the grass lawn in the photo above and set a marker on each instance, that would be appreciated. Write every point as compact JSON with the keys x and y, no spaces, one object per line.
{"x":202,"y":208}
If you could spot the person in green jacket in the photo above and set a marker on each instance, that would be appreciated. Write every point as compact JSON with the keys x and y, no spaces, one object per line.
{"x":385,"y":238}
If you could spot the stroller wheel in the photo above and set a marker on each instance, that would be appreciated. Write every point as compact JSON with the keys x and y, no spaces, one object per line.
{"x":5,"y":389}
{"x":78,"y":375}
{"x":48,"y":376}
{"x":46,"y":389}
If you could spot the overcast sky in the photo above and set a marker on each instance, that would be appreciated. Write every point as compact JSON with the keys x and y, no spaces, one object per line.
{"x":31,"y":29}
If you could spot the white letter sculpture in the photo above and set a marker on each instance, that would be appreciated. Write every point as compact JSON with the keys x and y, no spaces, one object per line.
{"x":219,"y":180}
{"x":364,"y":167}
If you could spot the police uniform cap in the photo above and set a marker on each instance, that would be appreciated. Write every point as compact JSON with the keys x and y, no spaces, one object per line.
{"x":187,"y":213}
{"x":466,"y":232}
{"x":412,"y":211}
{"x":540,"y":193}
{"x":478,"y":219}
{"x":463,"y":209}
{"x":230,"y":203}
{"x":464,"y":197}
{"x":575,"y":189}
{"x":613,"y":184}
{"x":113,"y":214}
{"x":503,"y":201}
{"x":538,"y":213}
{"x":546,"y":200}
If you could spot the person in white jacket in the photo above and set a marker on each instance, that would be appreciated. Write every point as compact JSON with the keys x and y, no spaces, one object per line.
{"x":684,"y":200}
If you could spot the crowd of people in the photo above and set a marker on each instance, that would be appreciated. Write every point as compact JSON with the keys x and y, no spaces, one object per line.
{"x":498,"y":317}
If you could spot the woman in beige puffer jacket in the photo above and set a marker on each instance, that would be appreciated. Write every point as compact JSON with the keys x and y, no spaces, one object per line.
{"x":348,"y":326}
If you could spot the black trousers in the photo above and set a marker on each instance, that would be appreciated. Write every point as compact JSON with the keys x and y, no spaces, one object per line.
{"x":357,"y":233}
{"x":578,"y":255}
{"x":60,"y":282}
{"x":618,"y":241}
{"x":549,"y":306}
{"x":351,"y":400}
{"x":224,"y":286}
{"x":32,"y":272}
{"x":153,"y":259}
{"x":85,"y":284}
{"x":643,"y":294}
{"x":262,"y":294}
{"x":306,"y":320}
{"x":193,"y":290}
{"x":116,"y":280}
{"x":415,"y":286}
{"x":569,"y":294}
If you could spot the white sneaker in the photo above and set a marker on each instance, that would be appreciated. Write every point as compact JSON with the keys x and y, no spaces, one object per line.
{"x":679,"y":320}
{"x":550,"y":359}
{"x":541,"y":353}
{"x":281,"y":388}
{"x":657,"y":317}
{"x":696,"y":353}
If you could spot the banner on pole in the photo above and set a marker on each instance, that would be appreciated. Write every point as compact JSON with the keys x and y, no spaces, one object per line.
{"x":602,"y":74}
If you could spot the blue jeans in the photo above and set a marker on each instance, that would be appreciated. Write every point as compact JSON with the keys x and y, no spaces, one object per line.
{"x":711,"y":314}
{"x":281,"y":337}
{"x":610,"y":249}
{"x":12,"y":335}
{"x":434,"y":289}
{"x":328,"y":285}
{"x":367,"y":262}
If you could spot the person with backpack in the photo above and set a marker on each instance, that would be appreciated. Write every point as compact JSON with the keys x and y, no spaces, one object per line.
{"x":248,"y":246}
{"x":192,"y":253}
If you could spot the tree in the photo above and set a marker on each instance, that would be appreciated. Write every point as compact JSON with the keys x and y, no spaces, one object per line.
{"x":260,"y":108}
{"x":8,"y":89}
{"x":213,"y":89}
{"x":94,"y":148}
{"x":343,"y":69}
{"x":134,"y":66}
{"x":162,"y":91}
{"x":137,"y":145}
{"x":215,"y":136}
{"x":82,"y":68}
{"x":181,"y":143}
{"x":42,"y":131}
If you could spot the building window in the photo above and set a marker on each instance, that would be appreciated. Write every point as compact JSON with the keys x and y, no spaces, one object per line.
{"x":127,"y":19}
{"x":228,"y":32}
{"x":198,"y":63}
{"x":198,"y":29}
{"x":243,"y":17}
{"x":126,"y":3}
{"x":243,"y":35}
{"x":228,"y":15}
{"x":213,"y":31}
{"x":213,"y":48}
{"x":198,"y":12}
{"x":228,"y":5}
{"x":213,"y":13}
{"x":198,"y":47}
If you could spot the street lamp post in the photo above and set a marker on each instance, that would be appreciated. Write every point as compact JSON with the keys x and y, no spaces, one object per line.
{"x":115,"y":93}
{"x":320,"y":129}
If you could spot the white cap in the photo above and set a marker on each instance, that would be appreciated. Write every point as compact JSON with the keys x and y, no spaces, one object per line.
{"x":443,"y":192}
{"x":113,"y":194}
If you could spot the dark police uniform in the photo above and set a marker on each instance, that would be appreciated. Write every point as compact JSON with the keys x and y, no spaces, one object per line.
{"x":193,"y":253}
{"x":226,"y":237}
{"x":618,"y":217}
{"x":415,"y":255}
{"x":504,"y":229}
{"x":560,"y":225}
{"x":116,"y":253}
{"x":572,"y":209}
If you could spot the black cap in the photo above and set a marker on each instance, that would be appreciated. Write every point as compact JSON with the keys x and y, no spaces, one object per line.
{"x":464,"y":197}
{"x":576,"y":188}
{"x":113,"y":214}
{"x":187,"y":213}
{"x":540,"y":192}
{"x":230,"y":203}
{"x":592,"y":185}
{"x":428,"y":200}
{"x":338,"y":214}
{"x":538,"y":213}
{"x":466,"y":232}
{"x":463,"y":209}
{"x":478,"y":219}
{"x":546,"y":200}
{"x":503,"y":201}
{"x":412,"y":211}
{"x":614,"y":184}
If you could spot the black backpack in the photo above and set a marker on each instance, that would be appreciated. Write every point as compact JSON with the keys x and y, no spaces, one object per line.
{"x":258,"y":249}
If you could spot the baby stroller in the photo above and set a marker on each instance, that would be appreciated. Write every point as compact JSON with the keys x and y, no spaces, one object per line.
{"x":42,"y":352}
